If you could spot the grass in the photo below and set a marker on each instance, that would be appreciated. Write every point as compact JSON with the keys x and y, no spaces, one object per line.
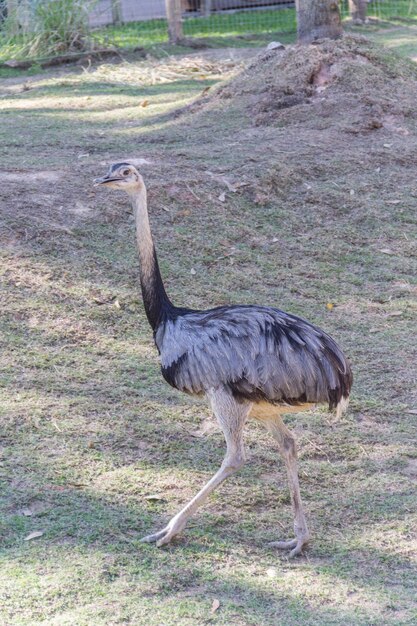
{"x":216,"y":28}
{"x":240,"y":29}
{"x":395,"y":35}
{"x":400,"y":38}
{"x":88,"y":428}
{"x":228,"y":29}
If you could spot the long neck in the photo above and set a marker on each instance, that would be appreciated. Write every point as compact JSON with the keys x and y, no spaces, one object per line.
{"x":154,"y":295}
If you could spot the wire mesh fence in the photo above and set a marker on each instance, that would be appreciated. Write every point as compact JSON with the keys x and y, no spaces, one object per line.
{"x":34,"y":28}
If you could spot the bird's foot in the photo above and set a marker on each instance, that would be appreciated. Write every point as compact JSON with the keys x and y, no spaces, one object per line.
{"x":165,"y":535}
{"x":296,"y":545}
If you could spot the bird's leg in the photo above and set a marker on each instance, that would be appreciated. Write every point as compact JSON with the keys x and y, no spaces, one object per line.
{"x":231,"y":416}
{"x":288,"y":450}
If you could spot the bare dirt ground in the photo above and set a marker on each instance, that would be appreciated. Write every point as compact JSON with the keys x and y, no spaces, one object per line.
{"x":293,"y":184}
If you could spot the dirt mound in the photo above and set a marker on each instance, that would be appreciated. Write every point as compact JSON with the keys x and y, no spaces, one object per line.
{"x":366,"y":85}
{"x":325,"y":124}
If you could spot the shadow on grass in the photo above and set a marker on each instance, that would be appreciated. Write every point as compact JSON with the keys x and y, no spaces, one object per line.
{"x":108,"y":88}
{"x":76,"y":523}
{"x":107,"y":513}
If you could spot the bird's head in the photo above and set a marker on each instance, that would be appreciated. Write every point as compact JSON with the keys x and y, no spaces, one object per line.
{"x":122,"y":176}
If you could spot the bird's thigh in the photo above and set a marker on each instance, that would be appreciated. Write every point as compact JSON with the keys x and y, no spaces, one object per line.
{"x":265,"y":411}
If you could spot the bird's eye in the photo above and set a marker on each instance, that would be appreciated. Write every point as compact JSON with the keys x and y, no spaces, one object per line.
{"x":126,"y":172}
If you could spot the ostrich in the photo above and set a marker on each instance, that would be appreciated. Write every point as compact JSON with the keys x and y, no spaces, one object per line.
{"x":249,"y":360}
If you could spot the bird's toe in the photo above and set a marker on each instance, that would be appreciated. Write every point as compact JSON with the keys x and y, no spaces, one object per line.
{"x":296,"y":545}
{"x":154,"y":538}
{"x":283,"y":545}
{"x":164,"y":539}
{"x":296,"y":551}
{"x":165,"y":535}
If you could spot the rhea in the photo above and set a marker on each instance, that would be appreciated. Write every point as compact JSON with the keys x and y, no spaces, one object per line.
{"x":249,"y":361}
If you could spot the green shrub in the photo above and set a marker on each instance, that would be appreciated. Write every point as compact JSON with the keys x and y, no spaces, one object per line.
{"x":49,"y":27}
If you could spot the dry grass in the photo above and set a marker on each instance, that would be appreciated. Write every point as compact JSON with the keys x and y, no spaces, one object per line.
{"x":323,"y":212}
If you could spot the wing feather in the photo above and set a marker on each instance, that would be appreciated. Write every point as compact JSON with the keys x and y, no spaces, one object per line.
{"x":260,"y":353}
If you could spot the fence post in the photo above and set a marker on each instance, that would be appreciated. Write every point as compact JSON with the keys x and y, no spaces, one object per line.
{"x":174,"y":16}
{"x":357,"y":10}
{"x":12,"y":15}
{"x":116,"y":12}
{"x":207,"y":7}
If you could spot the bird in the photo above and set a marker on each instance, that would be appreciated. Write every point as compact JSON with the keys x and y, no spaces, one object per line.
{"x":249,"y":361}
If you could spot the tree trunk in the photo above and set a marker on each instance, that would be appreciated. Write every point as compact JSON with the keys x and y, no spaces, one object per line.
{"x":317,"y":19}
{"x":174,"y":16}
{"x":357,"y":10}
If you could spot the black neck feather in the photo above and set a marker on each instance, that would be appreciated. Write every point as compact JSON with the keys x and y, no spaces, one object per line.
{"x":157,"y":304}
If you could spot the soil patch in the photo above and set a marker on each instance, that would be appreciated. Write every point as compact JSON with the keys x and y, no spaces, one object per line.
{"x":353,"y":77}
{"x":314,"y":112}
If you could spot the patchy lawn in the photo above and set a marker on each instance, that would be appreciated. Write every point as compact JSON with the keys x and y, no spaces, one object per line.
{"x":96,"y":450}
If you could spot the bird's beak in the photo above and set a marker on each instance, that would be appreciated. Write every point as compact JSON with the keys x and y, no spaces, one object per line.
{"x":103,"y":180}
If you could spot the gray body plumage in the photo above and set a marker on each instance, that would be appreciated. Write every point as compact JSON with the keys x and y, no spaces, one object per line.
{"x":259,"y":353}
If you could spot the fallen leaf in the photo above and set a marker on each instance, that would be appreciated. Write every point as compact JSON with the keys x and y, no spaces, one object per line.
{"x":229,"y":185}
{"x":183,"y":213}
{"x":222,"y":197}
{"x":34,"y":535}
{"x":387,"y":145}
{"x":242,"y":184}
{"x":271,"y":572}
{"x":393,"y":201}
{"x":144,"y":103}
{"x":192,"y":271}
{"x":117,"y":304}
{"x":154,"y":498}
{"x":104,"y":300}
{"x":395,"y":313}
{"x":215,"y":605}
{"x":387,"y":251}
{"x":27,"y":512}
{"x":412,"y":411}
{"x":83,"y":156}
{"x":329,"y":306}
